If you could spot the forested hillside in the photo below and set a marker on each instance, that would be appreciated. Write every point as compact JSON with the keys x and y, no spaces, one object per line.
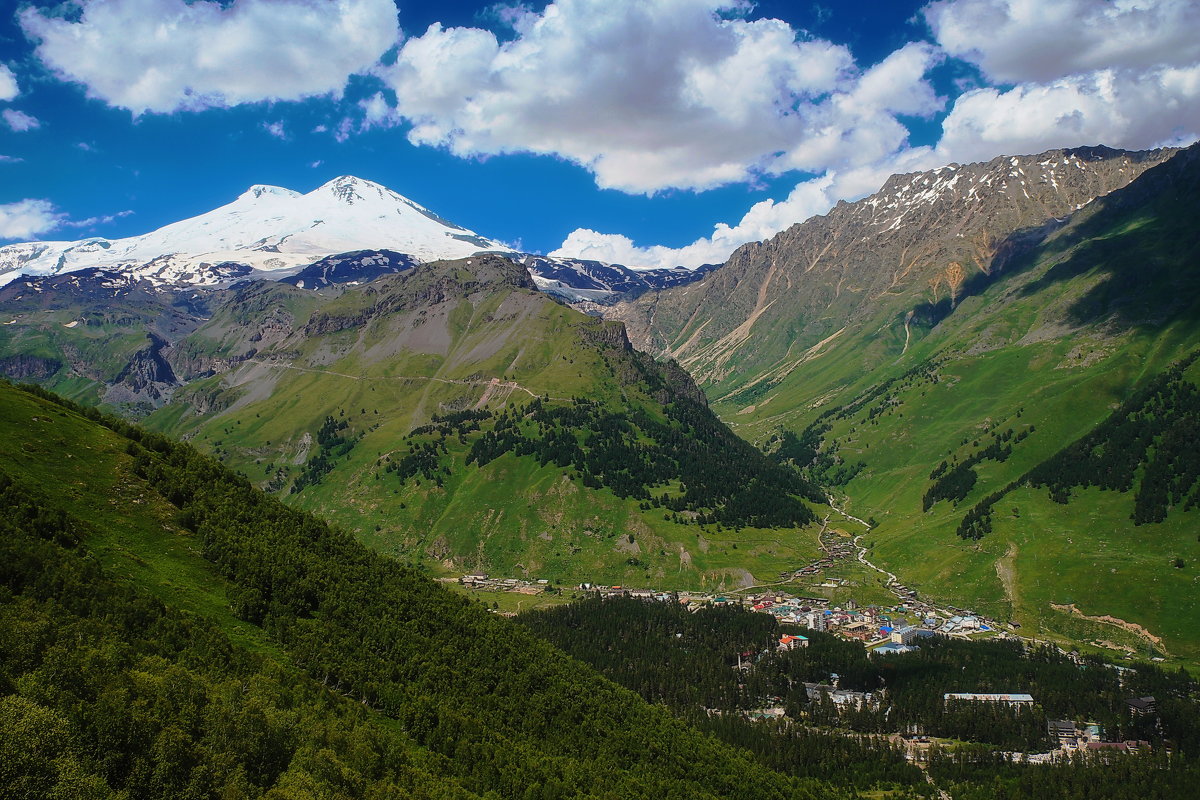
{"x":173,"y":632}
{"x":645,"y":645}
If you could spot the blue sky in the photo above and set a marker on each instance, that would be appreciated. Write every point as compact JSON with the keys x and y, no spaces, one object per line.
{"x":651,"y":133}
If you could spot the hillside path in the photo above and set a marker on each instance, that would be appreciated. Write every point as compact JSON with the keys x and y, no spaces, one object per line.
{"x":490,"y":384}
{"x":859,"y":549}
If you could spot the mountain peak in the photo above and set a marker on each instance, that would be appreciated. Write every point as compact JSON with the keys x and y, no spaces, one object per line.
{"x":260,"y":189}
{"x":350,"y":189}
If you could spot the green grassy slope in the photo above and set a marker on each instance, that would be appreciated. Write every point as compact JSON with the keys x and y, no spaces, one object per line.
{"x":1048,"y":351}
{"x":81,"y":330}
{"x":166,"y":623}
{"x":472,"y":337}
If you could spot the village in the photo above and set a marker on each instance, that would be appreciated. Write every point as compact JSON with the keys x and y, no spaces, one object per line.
{"x":884,"y":630}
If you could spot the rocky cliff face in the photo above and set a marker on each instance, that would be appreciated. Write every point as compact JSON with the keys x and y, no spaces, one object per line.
{"x":147,"y":379}
{"x":422,"y":287}
{"x":28,"y":368}
{"x":924,"y":238}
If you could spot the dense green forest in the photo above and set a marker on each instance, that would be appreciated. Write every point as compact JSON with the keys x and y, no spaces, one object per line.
{"x":1147,"y":447}
{"x":104,"y":690}
{"x":688,"y":464}
{"x":648,"y":645}
{"x":382,"y":673}
{"x":369,"y":680}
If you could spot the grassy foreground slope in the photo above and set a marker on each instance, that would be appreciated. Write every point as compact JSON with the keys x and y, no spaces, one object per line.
{"x":988,"y":389}
{"x":172,"y":632}
{"x":452,"y":413}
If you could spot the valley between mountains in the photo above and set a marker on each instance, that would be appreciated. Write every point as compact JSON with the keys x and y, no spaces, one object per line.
{"x":993,"y":365}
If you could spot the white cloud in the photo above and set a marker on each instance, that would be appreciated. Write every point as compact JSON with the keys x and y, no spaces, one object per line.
{"x":168,"y":55}
{"x":275,"y":129}
{"x":1116,"y":108}
{"x":8,"y":84}
{"x":10,"y":159}
{"x":377,"y":113}
{"x":669,"y":93}
{"x":91,"y":222}
{"x":1017,"y":41}
{"x":1125,"y":73}
{"x":26,"y":219}
{"x":19,"y":121}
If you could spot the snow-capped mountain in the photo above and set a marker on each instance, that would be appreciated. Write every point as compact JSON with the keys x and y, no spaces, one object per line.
{"x":579,"y":280}
{"x":268,"y":229}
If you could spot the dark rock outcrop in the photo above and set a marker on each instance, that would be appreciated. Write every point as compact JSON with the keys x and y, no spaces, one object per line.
{"x":28,"y":368}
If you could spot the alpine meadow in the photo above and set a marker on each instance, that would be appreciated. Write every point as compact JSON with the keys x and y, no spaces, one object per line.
{"x":742,"y":400}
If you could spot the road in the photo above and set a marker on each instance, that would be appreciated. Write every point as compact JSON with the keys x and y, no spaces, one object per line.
{"x":862,"y":551}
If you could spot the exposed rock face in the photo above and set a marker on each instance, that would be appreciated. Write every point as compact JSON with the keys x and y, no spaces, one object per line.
{"x":28,"y":368}
{"x":360,"y":266}
{"x":147,"y":378}
{"x":586,"y":283}
{"x":611,"y":334}
{"x":425,"y":286}
{"x":923,"y":238}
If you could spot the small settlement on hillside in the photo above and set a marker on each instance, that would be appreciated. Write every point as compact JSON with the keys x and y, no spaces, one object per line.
{"x":900,"y":628}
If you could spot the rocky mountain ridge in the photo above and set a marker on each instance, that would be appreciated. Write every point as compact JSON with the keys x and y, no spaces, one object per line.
{"x":921,"y":239}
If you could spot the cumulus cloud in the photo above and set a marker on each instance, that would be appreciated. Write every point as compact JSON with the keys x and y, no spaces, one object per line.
{"x":27,"y":219}
{"x":8,"y":84}
{"x":764,"y":219}
{"x":669,"y":93}
{"x":1123,"y":73}
{"x":1018,"y":41}
{"x":19,"y":121}
{"x":276,"y":129}
{"x":1116,"y":108}
{"x":377,"y":113}
{"x":168,"y":55}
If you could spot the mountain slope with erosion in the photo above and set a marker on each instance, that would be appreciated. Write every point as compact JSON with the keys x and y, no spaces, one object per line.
{"x":960,"y":444}
{"x":452,"y":412}
{"x":851,"y":279}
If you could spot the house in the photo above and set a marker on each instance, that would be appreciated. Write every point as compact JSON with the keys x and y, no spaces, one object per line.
{"x":1004,"y":698}
{"x":841,"y":698}
{"x":789,"y":642}
{"x":894,"y":648}
{"x":1142,"y":706}
{"x":1064,"y":732}
{"x":905,"y":634}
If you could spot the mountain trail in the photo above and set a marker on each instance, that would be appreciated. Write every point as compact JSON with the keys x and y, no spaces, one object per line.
{"x":490,"y":384}
{"x":1106,"y":619}
{"x":1006,"y":571}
